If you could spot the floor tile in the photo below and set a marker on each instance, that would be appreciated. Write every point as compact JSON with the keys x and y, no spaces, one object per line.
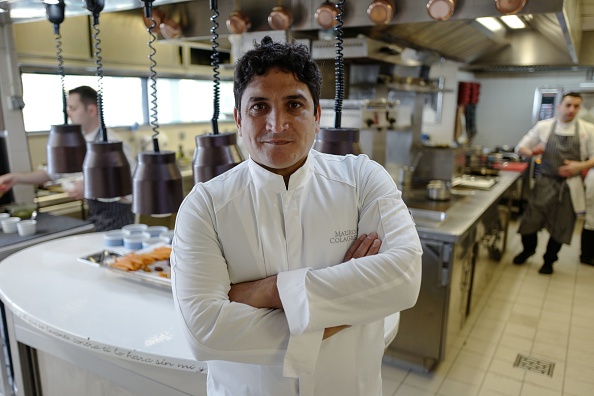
{"x":519,"y":312}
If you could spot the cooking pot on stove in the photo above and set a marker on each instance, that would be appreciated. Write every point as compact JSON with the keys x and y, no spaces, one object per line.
{"x":438,"y":190}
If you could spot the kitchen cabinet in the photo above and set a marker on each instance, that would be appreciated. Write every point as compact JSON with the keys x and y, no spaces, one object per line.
{"x":458,"y":264}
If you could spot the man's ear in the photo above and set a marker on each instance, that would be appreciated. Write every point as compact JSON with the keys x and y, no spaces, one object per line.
{"x":237,"y":118}
{"x":318,"y":117}
{"x":92,"y":110}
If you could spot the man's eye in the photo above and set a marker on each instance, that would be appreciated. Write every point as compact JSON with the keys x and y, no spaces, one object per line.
{"x":294,"y":105}
{"x":258,"y":106}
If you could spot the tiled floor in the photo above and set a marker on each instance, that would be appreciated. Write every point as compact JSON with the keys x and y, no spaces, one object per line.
{"x":549,"y":318}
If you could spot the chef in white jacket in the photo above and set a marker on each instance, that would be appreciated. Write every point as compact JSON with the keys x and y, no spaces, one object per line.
{"x":284,"y":267}
{"x":566,"y":143}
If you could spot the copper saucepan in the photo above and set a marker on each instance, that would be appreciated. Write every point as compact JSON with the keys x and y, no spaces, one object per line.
{"x":510,"y":7}
{"x":381,"y":12}
{"x":238,"y":22}
{"x":280,"y":18}
{"x":441,"y":10}
{"x":326,"y":15}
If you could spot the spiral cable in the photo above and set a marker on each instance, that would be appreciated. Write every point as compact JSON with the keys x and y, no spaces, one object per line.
{"x":61,"y":73}
{"x":153,"y":85}
{"x":215,"y":69}
{"x":99,"y":63}
{"x":338,"y":66}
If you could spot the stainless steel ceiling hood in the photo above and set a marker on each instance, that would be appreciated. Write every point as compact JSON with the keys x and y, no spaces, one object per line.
{"x":554,"y":36}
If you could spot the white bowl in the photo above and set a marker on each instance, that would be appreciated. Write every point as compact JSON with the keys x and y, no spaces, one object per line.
{"x":9,"y":224}
{"x":4,"y":216}
{"x":134,"y":241}
{"x":134,"y":229}
{"x":155,"y":231}
{"x":114,"y":238}
{"x":26,"y":227}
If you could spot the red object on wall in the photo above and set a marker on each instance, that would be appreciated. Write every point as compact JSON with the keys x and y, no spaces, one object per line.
{"x":468,"y":93}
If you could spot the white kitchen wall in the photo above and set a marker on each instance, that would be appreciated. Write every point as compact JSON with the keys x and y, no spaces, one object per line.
{"x":504,"y":112}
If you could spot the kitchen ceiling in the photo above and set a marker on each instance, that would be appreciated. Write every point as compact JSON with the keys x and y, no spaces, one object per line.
{"x":556,"y":28}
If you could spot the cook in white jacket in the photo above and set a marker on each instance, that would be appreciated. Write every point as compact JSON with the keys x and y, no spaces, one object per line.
{"x":263,"y":278}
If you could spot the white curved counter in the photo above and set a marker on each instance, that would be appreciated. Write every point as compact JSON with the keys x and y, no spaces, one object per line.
{"x":93,"y":320}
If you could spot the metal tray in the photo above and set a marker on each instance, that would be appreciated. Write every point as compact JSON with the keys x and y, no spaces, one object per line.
{"x":151,"y":275}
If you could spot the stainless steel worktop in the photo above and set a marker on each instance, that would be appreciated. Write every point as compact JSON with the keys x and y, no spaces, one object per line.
{"x":464,"y":212}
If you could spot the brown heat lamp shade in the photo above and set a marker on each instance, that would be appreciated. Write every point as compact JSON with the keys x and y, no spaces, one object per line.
{"x":214,"y":155}
{"x":66,"y":149}
{"x":106,"y":171}
{"x":157,"y":184}
{"x":339,"y":141}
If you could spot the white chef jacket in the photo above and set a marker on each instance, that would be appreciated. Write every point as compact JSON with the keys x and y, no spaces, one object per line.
{"x":246,"y":225}
{"x":540,"y":134}
{"x":589,"y":183}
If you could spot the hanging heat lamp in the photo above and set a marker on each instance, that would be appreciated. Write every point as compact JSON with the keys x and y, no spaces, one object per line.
{"x":66,"y":146}
{"x":337,"y":140}
{"x":157,"y":181}
{"x":215,"y":152}
{"x":106,"y":170}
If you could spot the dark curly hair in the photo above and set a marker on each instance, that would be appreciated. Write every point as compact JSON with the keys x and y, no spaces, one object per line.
{"x":291,"y":57}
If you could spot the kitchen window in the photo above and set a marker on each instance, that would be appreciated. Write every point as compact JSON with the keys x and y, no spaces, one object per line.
{"x":126,"y":100}
{"x":42,"y":94}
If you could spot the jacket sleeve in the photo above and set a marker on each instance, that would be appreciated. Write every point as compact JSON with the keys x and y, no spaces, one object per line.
{"x":217,"y":329}
{"x":362,"y":290}
{"x":532,"y":138}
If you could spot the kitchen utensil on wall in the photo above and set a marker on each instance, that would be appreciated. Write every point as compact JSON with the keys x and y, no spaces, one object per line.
{"x":238,"y":22}
{"x":280,"y":18}
{"x":381,"y":12}
{"x":441,"y":10}
{"x":156,"y":15}
{"x":326,"y":15}
{"x":510,"y":7}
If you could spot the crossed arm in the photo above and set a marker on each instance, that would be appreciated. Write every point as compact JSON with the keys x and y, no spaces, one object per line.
{"x":263,"y":293}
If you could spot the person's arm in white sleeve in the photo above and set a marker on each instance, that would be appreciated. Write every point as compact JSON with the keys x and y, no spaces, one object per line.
{"x":37,"y":177}
{"x":531,"y":144}
{"x":367,"y":289}
{"x":217,"y":328}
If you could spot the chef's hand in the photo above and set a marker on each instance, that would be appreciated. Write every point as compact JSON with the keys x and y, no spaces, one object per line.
{"x":74,"y":189}
{"x":538,"y":149}
{"x":570,"y":168}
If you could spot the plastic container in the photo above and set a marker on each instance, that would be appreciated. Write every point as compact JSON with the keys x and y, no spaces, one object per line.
{"x":155,"y":231}
{"x":167,"y":236}
{"x":114,"y":238}
{"x":9,"y":224}
{"x":134,"y":241}
{"x":26,"y":227}
{"x":134,"y":229}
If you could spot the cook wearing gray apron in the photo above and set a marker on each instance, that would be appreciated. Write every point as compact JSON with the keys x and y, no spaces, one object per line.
{"x":550,"y":204}
{"x":107,"y":215}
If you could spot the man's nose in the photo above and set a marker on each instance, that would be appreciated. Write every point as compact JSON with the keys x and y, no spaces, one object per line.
{"x":277,"y":121}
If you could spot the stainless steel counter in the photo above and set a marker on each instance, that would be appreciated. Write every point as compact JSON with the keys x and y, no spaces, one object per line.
{"x":464,"y":212}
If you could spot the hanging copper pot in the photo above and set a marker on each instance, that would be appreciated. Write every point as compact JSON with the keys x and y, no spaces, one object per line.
{"x":170,"y":29}
{"x":238,"y":22}
{"x":441,"y":10}
{"x":510,"y":7}
{"x":381,"y":12}
{"x":280,"y":18}
{"x":326,"y":15}
{"x":158,"y":16}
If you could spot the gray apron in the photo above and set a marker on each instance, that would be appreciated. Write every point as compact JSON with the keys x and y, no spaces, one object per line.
{"x":109,"y":215}
{"x":550,"y":204}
